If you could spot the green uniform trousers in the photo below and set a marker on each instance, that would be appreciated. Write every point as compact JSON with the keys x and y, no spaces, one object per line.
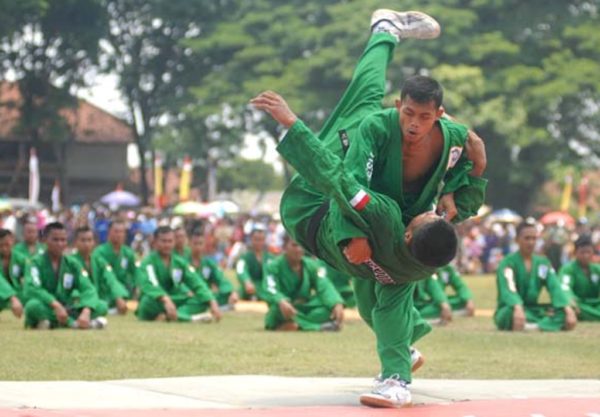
{"x":36,"y":311}
{"x":387,"y":309}
{"x":547,"y":318}
{"x":149,"y":308}
{"x":310,"y":316}
{"x":589,"y":310}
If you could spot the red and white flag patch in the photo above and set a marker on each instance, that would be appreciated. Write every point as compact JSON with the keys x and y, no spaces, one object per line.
{"x":360,"y":200}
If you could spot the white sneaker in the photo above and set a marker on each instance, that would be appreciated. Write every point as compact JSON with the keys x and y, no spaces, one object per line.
{"x":390,"y":393}
{"x":99,"y":323}
{"x":43,"y":325}
{"x":202,"y":318}
{"x":404,"y":25}
{"x":416,"y":359}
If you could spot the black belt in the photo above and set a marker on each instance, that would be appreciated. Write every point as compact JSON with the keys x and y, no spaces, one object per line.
{"x":313,"y":227}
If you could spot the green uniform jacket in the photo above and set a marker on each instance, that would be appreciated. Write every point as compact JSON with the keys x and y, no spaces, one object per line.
{"x":71,"y":286}
{"x":579,"y":286}
{"x":380,"y":220}
{"x":448,"y":277}
{"x":156,"y":279}
{"x":122,"y":263}
{"x":517,"y":286}
{"x":102,"y":277}
{"x":249,"y":268}
{"x":429,"y":291}
{"x":22,"y":249}
{"x":375,"y":159}
{"x":185,"y":254}
{"x":11,"y":280}
{"x":213,"y":275}
{"x":282,"y":283}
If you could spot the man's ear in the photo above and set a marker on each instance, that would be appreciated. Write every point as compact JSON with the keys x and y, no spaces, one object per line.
{"x":398,"y":103}
{"x":407,"y":237}
{"x":440,"y":112}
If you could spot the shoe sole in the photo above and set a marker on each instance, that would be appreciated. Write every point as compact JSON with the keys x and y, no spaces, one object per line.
{"x":392,"y":16}
{"x":378,"y":402}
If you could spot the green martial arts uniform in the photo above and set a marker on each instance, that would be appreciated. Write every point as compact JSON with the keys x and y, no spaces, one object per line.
{"x":429,"y":296}
{"x":448,"y":277}
{"x":249,"y":268}
{"x":312,"y":295}
{"x":23,"y":249}
{"x":179,"y":280}
{"x":214,"y":278}
{"x":516,"y":285}
{"x":582,"y":289}
{"x":186,"y":253}
{"x":343,"y":284}
{"x":70,"y":286}
{"x":11,"y":280}
{"x":102,"y":276}
{"x":330,"y":201}
{"x":122,"y":263}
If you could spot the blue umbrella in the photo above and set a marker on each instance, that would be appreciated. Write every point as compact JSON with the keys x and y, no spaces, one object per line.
{"x":504,"y":216}
{"x":121,"y":198}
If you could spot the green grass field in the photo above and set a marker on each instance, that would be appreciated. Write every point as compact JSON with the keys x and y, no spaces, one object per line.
{"x":467,"y":348}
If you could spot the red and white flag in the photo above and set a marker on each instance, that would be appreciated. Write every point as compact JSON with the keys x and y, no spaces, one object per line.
{"x":34,"y":177}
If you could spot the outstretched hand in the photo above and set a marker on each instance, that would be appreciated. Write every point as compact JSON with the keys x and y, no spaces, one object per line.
{"x":276,"y":106}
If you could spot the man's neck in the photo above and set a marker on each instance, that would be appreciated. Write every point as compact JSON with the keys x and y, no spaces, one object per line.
{"x":116,"y":246}
{"x":54,"y":258}
{"x":526,"y":256}
{"x":86,"y":256}
{"x":165,"y":258}
{"x":197,"y":257}
{"x":584,"y":267}
{"x":31,"y":244}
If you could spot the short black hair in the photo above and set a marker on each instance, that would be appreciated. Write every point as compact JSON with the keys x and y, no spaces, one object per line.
{"x":82,"y":229}
{"x":423,"y":89}
{"x":583,"y":241}
{"x":161,"y":230}
{"x":257,"y":230}
{"x":434,"y":243}
{"x":524,"y":225}
{"x":115,"y":222}
{"x":4,"y":233}
{"x":53,"y":226}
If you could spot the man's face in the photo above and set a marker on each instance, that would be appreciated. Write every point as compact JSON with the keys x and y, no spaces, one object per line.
{"x":117,"y":234}
{"x":56,"y":242}
{"x":257,"y":241}
{"x":180,"y":239}
{"x":197,"y":245}
{"x":6,"y":244}
{"x":526,"y":240}
{"x":584,"y":255}
{"x":85,"y":243}
{"x":165,"y":243}
{"x":293,"y":252}
{"x":417,"y":119}
{"x":30,"y":233}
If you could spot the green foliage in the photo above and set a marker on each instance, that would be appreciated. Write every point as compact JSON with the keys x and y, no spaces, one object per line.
{"x":241,"y":174}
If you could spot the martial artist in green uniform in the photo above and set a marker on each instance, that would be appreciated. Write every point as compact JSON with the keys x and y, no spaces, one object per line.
{"x":331,"y":209}
{"x":181,"y":243}
{"x":343,"y":284}
{"x":299,"y":294}
{"x":109,"y":288}
{"x":580,"y":278}
{"x":431,"y":300}
{"x":462,"y":298}
{"x":30,"y":246}
{"x":249,"y":267}
{"x":520,"y":278}
{"x":119,"y":256}
{"x":170,"y":287}
{"x":58,"y":290}
{"x":12,"y":272}
{"x":208,"y":269}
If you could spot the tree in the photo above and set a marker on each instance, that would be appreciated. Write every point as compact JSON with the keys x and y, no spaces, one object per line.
{"x":241,"y":174}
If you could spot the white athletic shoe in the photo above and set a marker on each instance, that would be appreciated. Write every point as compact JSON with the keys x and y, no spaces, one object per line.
{"x":43,"y":325}
{"x":390,"y":393}
{"x":202,"y":318}
{"x":404,"y":25}
{"x":416,"y":359}
{"x":99,"y":323}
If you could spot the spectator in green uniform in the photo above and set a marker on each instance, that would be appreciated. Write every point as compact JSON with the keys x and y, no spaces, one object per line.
{"x":431,"y":301}
{"x":580,"y":278}
{"x":208,"y":269}
{"x":299,"y":294}
{"x":170,"y":288}
{"x":119,"y":256}
{"x":520,"y":278}
{"x":461,"y":298}
{"x":59,"y":291}
{"x":249,"y":268}
{"x":30,"y":246}
{"x":12,"y":272}
{"x":343,"y":284}
{"x":109,"y":288}
{"x":181,"y":243}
